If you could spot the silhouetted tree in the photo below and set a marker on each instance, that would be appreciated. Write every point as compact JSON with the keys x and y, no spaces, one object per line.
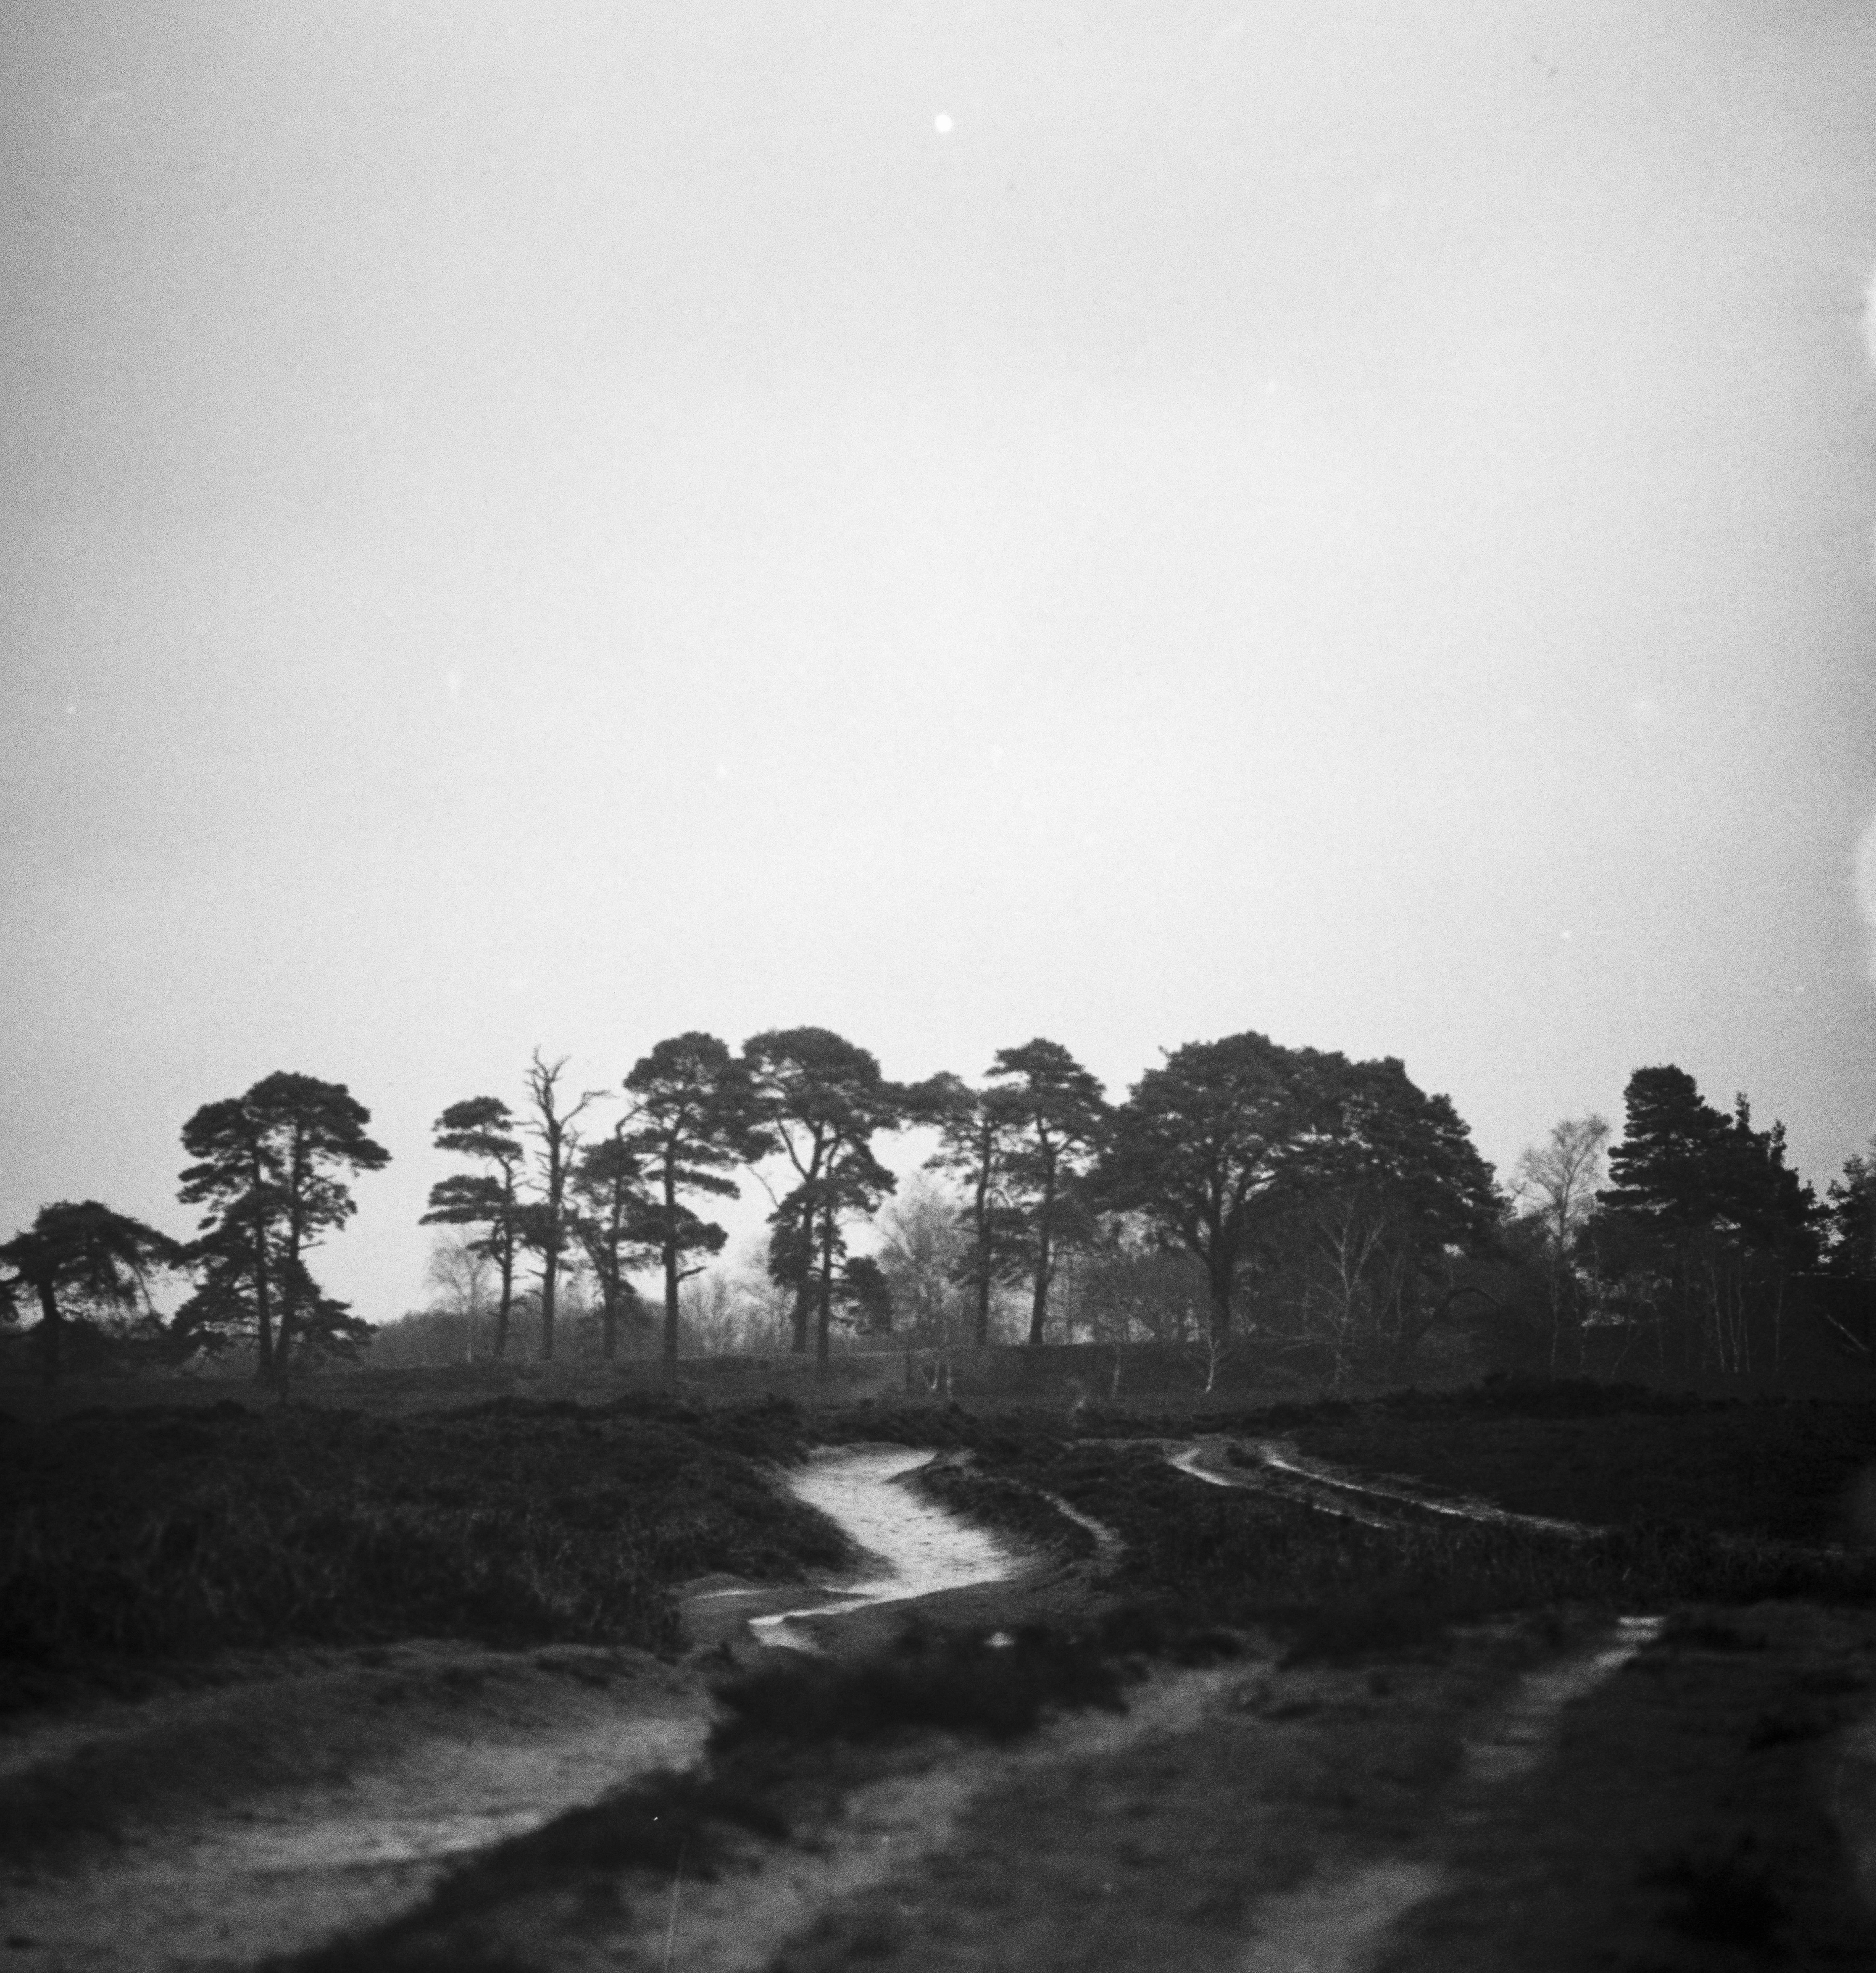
{"x":694,"y":1116}
{"x":1850,"y":1218}
{"x":979,"y":1130}
{"x":87,"y":1268}
{"x":1201,"y":1145}
{"x":1233,"y":1146}
{"x":1705,"y":1220}
{"x":545,"y":1223}
{"x":822,"y":1099}
{"x":1056,"y":1115}
{"x":613,"y":1220}
{"x":865,"y":1294}
{"x":271,"y":1167}
{"x":483,"y":1127}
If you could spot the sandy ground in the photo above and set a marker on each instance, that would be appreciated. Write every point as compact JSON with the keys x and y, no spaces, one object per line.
{"x":1607,"y":1799}
{"x":217,"y":1827}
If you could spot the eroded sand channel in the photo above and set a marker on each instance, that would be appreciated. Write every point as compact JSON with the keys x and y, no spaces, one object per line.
{"x":913,"y":1547}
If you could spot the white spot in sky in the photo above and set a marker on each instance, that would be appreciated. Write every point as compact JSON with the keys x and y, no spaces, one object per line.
{"x":723,"y":772}
{"x":1643,"y":709}
{"x":456,"y":683}
{"x":69,"y":711}
{"x":942,"y":123}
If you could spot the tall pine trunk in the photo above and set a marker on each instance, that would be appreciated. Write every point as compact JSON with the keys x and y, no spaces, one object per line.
{"x":981,"y":1322}
{"x":263,"y":1286}
{"x":825,"y":1308}
{"x":51,"y":1332}
{"x":505,"y":1261}
{"x":671,"y":1272}
{"x":1045,"y":1261}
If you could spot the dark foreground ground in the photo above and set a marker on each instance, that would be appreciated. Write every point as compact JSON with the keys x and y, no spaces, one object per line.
{"x":1229,"y":1726}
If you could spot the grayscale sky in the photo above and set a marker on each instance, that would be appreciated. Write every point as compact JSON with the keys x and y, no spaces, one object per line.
{"x":1127,"y":522}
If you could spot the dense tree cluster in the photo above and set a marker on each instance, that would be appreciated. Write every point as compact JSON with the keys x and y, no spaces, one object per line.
{"x":1329,"y":1205}
{"x":1683,"y":1238}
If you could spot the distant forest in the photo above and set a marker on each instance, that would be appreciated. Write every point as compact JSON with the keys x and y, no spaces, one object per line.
{"x":1242,"y":1188}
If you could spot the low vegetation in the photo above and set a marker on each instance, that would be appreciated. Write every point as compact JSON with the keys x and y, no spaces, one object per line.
{"x":1771,"y":1470}
{"x":129,"y":1539}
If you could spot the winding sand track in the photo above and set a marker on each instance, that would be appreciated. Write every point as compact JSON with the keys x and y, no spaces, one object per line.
{"x":1252,"y":1817}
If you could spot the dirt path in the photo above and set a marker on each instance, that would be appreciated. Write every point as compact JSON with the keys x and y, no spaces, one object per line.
{"x":218,"y":1827}
{"x":1612,"y":1798}
{"x":1626,"y":1801}
{"x":326,"y":1794}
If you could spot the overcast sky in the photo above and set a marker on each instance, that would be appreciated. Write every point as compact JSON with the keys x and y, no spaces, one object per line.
{"x":563,"y":524}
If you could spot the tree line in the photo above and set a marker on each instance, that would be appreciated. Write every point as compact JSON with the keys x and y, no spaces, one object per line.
{"x":1683,"y":1238}
{"x":1334,"y":1190}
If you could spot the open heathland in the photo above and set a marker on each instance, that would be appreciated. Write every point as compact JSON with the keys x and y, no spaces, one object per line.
{"x":1203,"y":1712}
{"x":131,"y":1540}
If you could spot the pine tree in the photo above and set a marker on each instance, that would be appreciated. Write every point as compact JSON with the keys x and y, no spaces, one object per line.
{"x":87,"y":1268}
{"x":694,"y":1117}
{"x":483,"y":1127}
{"x":1056,"y":1116}
{"x":270,"y":1167}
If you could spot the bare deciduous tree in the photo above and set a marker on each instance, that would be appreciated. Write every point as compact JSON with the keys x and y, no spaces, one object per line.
{"x":1555,"y":1185}
{"x":459,"y":1274}
{"x":548,"y":1226}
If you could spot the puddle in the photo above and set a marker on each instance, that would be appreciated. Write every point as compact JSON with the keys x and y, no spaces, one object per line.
{"x":913,"y":1546}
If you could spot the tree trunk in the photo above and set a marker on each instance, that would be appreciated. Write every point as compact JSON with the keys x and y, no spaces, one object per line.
{"x":550,"y":1277}
{"x":1218,"y":1288}
{"x":1039,"y":1304}
{"x":506,"y":1262}
{"x":980,"y":1328}
{"x":670,"y":1270}
{"x":51,"y":1331}
{"x":263,"y":1297}
{"x":802,"y":1315}
{"x":825,"y":1312}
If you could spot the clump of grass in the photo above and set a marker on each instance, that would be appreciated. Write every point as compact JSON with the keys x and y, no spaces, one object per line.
{"x":959,"y":1683}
